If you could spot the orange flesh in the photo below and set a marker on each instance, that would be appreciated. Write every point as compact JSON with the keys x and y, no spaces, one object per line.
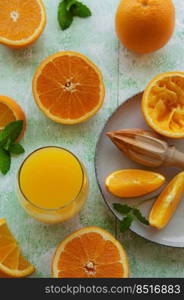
{"x":90,"y":255}
{"x":133,"y":183}
{"x":166,"y":204}
{"x":6,"y":115}
{"x":68,"y":87}
{"x":14,"y":16}
{"x":166,"y":104}
{"x":12,"y":263}
{"x":9,"y":112}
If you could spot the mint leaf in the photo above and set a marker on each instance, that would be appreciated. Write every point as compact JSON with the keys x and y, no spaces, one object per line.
{"x":70,"y":3}
{"x":68,"y":9}
{"x":11,"y":131}
{"x":122,"y":208}
{"x":7,"y":144}
{"x":65,"y":18}
{"x":80,"y":10}
{"x":126,"y":223}
{"x":5,"y":161}
{"x":8,"y":137}
{"x":140,"y":217}
{"x":16,"y":149}
{"x":131,"y":213}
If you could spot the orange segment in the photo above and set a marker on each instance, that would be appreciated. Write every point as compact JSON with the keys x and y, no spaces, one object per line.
{"x":68,"y":88}
{"x":6,"y":115}
{"x":166,"y":204}
{"x":133,"y":183}
{"x":12,"y":263}
{"x":114,"y":270}
{"x":109,"y":254}
{"x":10,"y":111}
{"x":21,"y":22}
{"x":163,"y":104}
{"x":90,"y":253}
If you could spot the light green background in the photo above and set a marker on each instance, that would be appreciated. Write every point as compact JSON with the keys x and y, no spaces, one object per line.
{"x":125,"y":74}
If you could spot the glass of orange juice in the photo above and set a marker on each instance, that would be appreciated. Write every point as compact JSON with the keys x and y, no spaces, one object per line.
{"x":52,"y":185}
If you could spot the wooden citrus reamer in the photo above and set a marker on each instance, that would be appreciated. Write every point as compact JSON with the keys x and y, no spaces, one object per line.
{"x":146,"y":148}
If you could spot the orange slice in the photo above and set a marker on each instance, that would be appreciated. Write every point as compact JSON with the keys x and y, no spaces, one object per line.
{"x":68,"y":88}
{"x":90,"y":252}
{"x":12,"y":263}
{"x":10,"y":111}
{"x":166,"y":204}
{"x":133,"y":183}
{"x":21,"y":22}
{"x":163,"y":104}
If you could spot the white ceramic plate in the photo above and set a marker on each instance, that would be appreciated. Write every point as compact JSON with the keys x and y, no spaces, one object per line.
{"x":109,"y":159}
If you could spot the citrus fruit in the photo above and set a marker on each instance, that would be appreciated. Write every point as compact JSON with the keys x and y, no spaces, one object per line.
{"x":12,"y":263}
{"x":167,"y":202}
{"x":68,"y":88}
{"x":90,"y":252}
{"x":145,"y":26}
{"x":163,"y":105}
{"x":11,"y":111}
{"x":21,"y":22}
{"x":133,"y":183}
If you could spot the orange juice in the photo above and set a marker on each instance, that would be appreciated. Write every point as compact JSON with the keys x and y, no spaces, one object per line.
{"x":52,"y":184}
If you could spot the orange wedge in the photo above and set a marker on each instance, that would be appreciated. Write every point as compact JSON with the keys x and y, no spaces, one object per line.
{"x":166,"y":204}
{"x":12,"y":263}
{"x":68,"y":88}
{"x":90,"y":253}
{"x":130,"y":183}
{"x":163,"y":105}
{"x":21,"y":22}
{"x":10,"y":111}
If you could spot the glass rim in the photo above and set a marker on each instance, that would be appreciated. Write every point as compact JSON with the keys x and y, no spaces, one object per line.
{"x":50,"y":209}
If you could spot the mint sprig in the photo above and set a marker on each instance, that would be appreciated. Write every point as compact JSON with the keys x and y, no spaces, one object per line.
{"x":130,"y":213}
{"x":68,"y":9}
{"x":126,"y":223}
{"x":65,"y":18}
{"x":16,"y":148}
{"x":8,"y":144}
{"x":5,"y":161}
{"x":139,"y":216}
{"x":79,"y":9}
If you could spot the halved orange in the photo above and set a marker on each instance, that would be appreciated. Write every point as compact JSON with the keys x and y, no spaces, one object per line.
{"x":130,"y":183}
{"x":21,"y":22}
{"x":163,"y":104}
{"x":12,"y":263}
{"x":68,"y":88}
{"x":90,"y":252}
{"x":165,"y":205}
{"x":11,"y":111}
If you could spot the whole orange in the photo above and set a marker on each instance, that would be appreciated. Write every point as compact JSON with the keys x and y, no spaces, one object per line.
{"x":144,"y":26}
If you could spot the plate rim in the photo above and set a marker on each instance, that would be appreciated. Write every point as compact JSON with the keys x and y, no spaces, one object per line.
{"x":98,"y":181}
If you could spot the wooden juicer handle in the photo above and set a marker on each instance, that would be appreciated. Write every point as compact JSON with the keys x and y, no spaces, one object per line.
{"x":174,"y":158}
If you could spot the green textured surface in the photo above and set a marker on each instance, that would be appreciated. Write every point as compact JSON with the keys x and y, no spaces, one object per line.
{"x":124,"y":74}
